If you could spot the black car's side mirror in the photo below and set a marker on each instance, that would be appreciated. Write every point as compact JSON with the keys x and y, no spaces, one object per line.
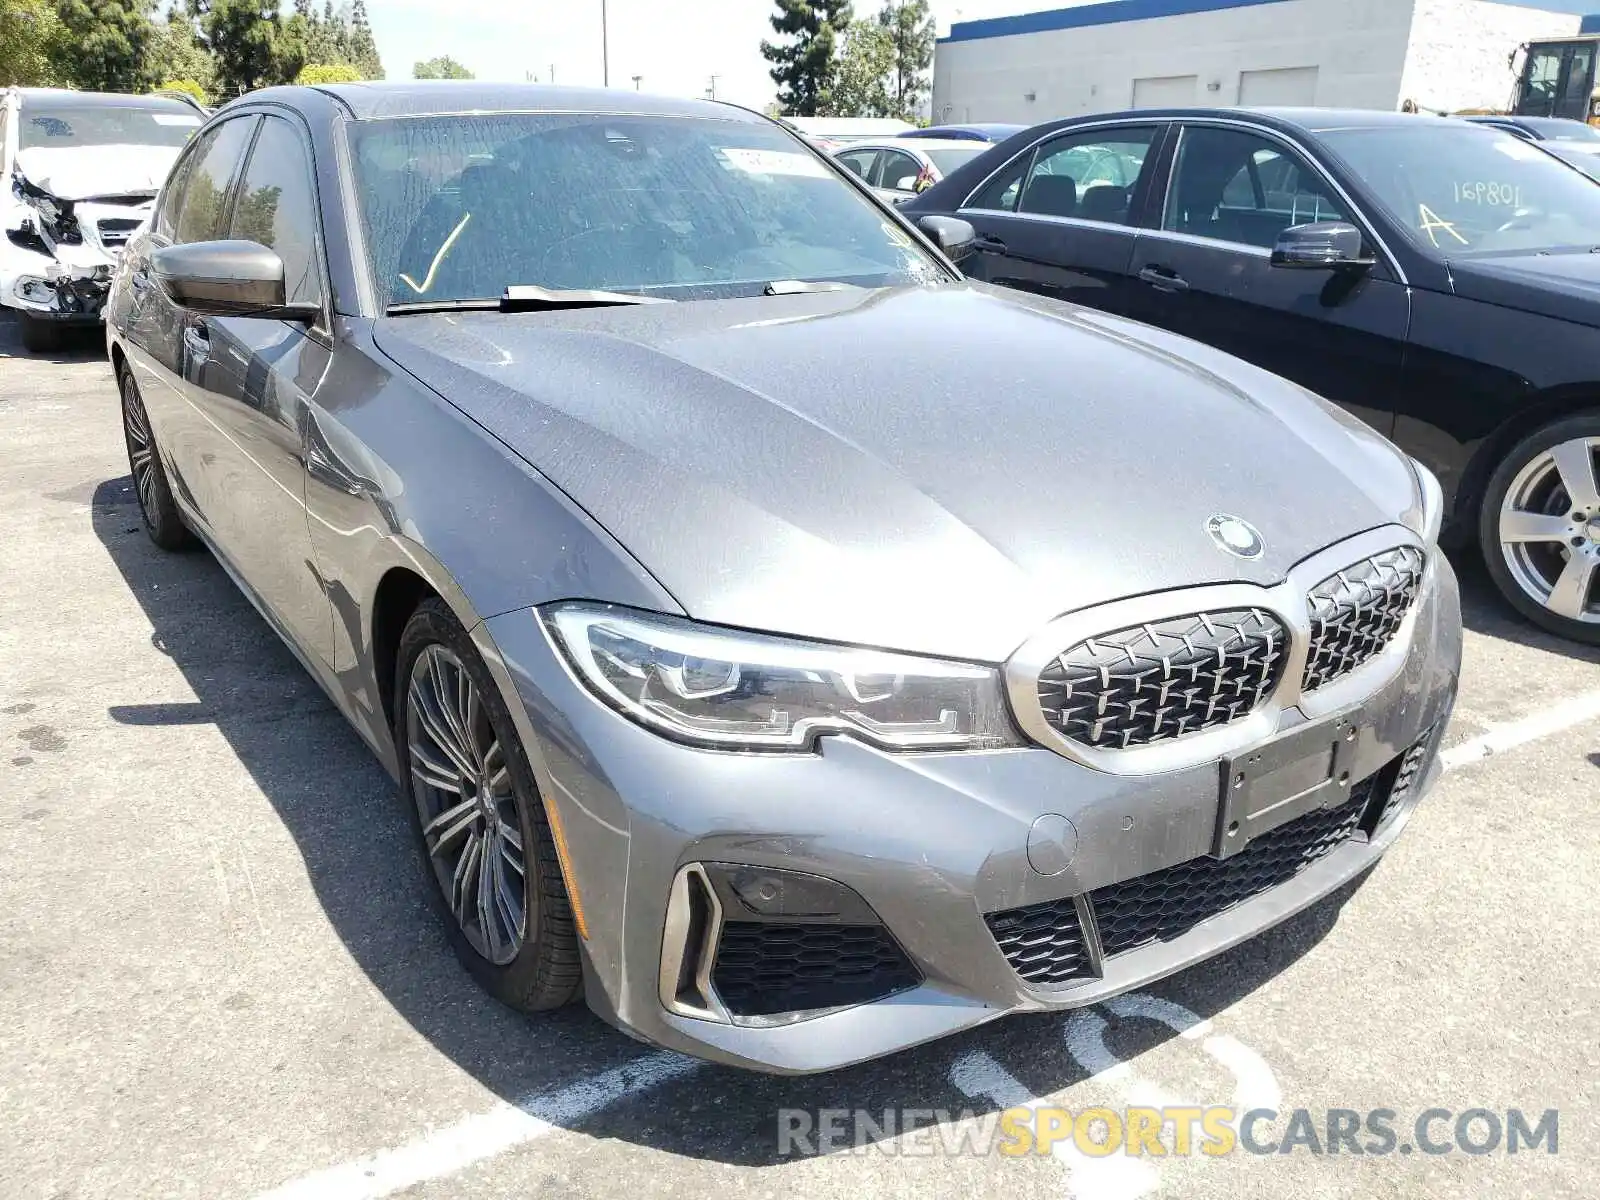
{"x":1322,"y":246}
{"x":227,"y":279}
{"x":951,"y":234}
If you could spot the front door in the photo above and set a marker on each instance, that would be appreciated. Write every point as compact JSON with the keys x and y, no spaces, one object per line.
{"x":254,"y":384}
{"x":1207,"y":273}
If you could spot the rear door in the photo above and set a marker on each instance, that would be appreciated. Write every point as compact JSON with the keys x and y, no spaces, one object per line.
{"x":256,"y":387}
{"x":1205,"y":271}
{"x":1060,"y":220}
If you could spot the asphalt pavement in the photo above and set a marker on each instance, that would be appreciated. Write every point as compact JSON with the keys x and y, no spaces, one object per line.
{"x":219,"y":976}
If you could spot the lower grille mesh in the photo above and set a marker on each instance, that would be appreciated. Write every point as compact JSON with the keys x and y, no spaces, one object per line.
{"x":1408,"y":776}
{"x":1045,"y":943}
{"x":1168,"y":903}
{"x":764,"y":967}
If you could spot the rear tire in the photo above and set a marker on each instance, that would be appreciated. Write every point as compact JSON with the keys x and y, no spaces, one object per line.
{"x":1539,"y":528}
{"x":162,"y":520}
{"x":40,"y":337}
{"x":466,"y":777}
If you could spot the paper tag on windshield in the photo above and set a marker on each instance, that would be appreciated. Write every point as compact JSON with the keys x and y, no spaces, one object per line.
{"x":175,"y":119}
{"x":1514,"y":147}
{"x":772,"y":162}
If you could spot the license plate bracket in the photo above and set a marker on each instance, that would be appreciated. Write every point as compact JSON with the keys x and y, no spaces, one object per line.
{"x":1272,"y":784}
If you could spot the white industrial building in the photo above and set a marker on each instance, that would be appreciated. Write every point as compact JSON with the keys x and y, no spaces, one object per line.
{"x":1444,"y":55}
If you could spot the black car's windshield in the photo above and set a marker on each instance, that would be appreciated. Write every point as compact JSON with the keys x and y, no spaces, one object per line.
{"x":1557,"y":130}
{"x":1471,"y":190}
{"x":78,"y":123}
{"x":460,"y":207}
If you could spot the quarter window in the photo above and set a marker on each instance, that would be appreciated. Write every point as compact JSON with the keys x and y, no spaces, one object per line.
{"x":1090,"y":175}
{"x":1239,"y":187}
{"x":204,"y":192}
{"x":276,"y":208}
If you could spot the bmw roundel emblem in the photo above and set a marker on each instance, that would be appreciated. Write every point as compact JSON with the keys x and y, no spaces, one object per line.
{"x":1238,"y":538}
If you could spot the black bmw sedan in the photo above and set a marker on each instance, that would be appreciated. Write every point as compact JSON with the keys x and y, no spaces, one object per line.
{"x":1438,"y":279}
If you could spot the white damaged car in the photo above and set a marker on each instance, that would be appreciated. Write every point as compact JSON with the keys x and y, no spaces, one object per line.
{"x":79,"y":172}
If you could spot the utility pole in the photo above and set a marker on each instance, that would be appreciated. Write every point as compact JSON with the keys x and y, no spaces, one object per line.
{"x":605,"y":48}
{"x":637,"y":80}
{"x":711,"y":92}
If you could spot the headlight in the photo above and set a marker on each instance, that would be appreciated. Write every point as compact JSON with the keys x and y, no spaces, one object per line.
{"x":1432,"y":503}
{"x":715,"y":687}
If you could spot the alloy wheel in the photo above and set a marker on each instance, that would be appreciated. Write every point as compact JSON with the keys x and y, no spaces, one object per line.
{"x":1549,"y":529}
{"x":467,"y":805}
{"x":141,"y":448}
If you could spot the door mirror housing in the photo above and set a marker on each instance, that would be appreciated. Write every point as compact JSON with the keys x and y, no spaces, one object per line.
{"x":951,"y":234}
{"x":227,"y":279}
{"x":1321,"y":246}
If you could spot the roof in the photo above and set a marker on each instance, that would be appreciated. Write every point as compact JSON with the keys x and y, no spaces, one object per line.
{"x":1117,"y":11}
{"x":68,"y":98}
{"x":417,"y":98}
{"x":921,"y":143}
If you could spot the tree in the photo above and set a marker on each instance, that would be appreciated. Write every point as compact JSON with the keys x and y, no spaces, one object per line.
{"x":862,"y":87}
{"x":102,"y":43}
{"x":242,"y":36}
{"x":363,"y":49}
{"x":328,"y":73}
{"x":174,"y":56}
{"x":192,"y":86}
{"x":911,"y":30}
{"x":805,"y":68}
{"x":443,"y":67}
{"x":29,"y":31}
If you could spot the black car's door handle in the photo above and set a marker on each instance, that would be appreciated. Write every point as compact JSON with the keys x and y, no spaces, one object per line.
{"x":1164,"y":280}
{"x":990,"y":243}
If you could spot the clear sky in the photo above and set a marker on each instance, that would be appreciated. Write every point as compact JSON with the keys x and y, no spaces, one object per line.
{"x":676,"y":45}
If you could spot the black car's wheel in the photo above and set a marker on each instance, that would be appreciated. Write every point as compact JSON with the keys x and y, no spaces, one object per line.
{"x":481,"y":827}
{"x":40,"y":337}
{"x":1540,"y":527}
{"x":162,"y":520}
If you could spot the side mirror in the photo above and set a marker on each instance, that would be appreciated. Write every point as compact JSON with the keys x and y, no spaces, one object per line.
{"x":951,"y":234}
{"x":1322,"y":246}
{"x":906,"y":183}
{"x":227,"y":279}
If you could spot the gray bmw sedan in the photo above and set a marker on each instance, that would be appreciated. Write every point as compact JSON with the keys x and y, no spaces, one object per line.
{"x":790,"y":647}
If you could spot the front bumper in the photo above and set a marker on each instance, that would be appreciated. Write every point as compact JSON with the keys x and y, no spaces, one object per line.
{"x":930,"y":842}
{"x":71,"y":291}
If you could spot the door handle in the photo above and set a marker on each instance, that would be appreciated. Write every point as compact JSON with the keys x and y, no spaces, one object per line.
{"x":989,"y":242}
{"x":1164,"y":280}
{"x":197,"y":341}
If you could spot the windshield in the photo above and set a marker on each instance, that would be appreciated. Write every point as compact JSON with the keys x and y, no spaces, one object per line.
{"x":460,"y":207}
{"x":1468,"y":191}
{"x":948,"y":160}
{"x":80,"y":124}
{"x":1556,"y":130}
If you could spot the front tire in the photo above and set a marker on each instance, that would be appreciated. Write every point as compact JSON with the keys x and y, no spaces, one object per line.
{"x":1540,"y":527}
{"x":481,"y":827}
{"x":162,"y":521}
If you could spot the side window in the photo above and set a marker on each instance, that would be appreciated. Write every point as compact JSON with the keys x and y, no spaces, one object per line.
{"x":1239,"y":187}
{"x":859,"y":162}
{"x":1090,"y":175}
{"x":1001,"y":192}
{"x":205,"y":191}
{"x":166,"y":219}
{"x":276,"y":207}
{"x":898,"y":171}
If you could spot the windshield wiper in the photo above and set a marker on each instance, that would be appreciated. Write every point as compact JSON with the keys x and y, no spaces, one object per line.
{"x":793,"y":287}
{"x":526,"y":297}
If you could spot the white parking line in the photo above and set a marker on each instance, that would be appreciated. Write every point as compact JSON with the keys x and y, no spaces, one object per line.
{"x":484,"y":1135}
{"x":1500,"y":738}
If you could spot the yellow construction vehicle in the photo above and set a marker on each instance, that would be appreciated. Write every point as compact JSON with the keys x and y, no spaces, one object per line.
{"x":1557,"y":79}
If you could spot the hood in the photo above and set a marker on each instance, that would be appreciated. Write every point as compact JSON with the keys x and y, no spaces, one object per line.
{"x":84,"y":172}
{"x":1564,"y":284}
{"x":938,"y":470}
